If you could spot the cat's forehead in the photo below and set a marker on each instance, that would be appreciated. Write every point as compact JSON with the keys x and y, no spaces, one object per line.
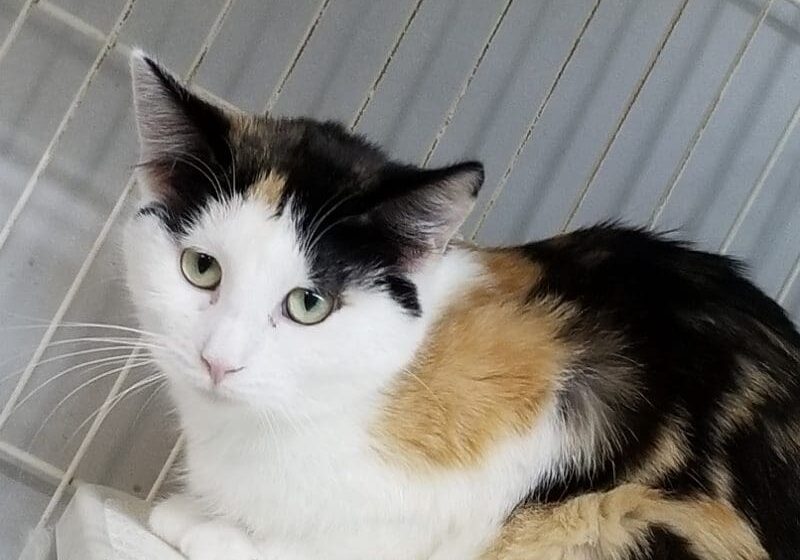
{"x":251,"y":241}
{"x":284,"y":157}
{"x":293,"y":162}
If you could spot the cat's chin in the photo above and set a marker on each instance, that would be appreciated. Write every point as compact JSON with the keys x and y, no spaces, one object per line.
{"x":217,"y":395}
{"x":209,"y":394}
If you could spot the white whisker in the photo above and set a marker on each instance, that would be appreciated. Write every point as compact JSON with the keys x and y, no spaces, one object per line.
{"x":114,"y":401}
{"x":110,"y":360}
{"x":326,"y":230}
{"x":146,"y":403}
{"x":70,"y":355}
{"x":208,"y":173}
{"x":78,"y":325}
{"x":127,"y":342}
{"x":320,"y":217}
{"x":233,"y":164}
{"x":72,"y":393}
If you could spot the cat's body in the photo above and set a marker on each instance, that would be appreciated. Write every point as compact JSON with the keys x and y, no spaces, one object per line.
{"x":601,"y":395}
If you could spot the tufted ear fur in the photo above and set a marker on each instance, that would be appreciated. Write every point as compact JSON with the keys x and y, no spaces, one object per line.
{"x":182,"y":138}
{"x":426,"y":207}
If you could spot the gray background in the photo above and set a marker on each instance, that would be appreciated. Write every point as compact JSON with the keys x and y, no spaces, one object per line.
{"x":570,"y":149}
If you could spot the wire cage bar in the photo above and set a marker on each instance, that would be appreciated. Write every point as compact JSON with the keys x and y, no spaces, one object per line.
{"x":637,"y":90}
{"x":501,"y":184}
{"x":33,"y":181}
{"x":362,"y":108}
{"x":733,"y":69}
{"x":30,"y":463}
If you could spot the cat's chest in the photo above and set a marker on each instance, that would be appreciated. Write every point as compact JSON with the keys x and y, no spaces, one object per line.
{"x":330,"y":486}
{"x":331,"y":480}
{"x":327,"y":476}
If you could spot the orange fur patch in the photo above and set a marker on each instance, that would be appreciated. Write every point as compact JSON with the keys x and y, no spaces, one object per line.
{"x":270,"y":188}
{"x":669,"y":454}
{"x":615,"y":524}
{"x":490,"y":364}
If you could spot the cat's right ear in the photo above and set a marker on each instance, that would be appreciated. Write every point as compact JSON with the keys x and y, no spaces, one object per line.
{"x":178,"y":131}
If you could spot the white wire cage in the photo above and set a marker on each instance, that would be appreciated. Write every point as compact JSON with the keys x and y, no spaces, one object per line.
{"x":672,"y":114}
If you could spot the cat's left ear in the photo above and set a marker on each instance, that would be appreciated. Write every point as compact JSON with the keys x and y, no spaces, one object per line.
{"x":427,"y":207}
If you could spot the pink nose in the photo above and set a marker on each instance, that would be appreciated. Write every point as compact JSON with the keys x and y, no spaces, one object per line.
{"x":217,"y":369}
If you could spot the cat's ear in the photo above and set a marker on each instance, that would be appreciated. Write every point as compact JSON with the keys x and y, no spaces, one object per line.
{"x":426,"y":207}
{"x":178,"y":130}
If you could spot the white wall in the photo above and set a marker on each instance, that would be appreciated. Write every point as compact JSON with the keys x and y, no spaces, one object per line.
{"x":563,"y":158}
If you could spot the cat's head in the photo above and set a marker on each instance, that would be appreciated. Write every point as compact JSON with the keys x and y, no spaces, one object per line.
{"x":282,"y":263}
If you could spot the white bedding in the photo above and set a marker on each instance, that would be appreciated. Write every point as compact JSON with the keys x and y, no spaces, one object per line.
{"x":104,"y":524}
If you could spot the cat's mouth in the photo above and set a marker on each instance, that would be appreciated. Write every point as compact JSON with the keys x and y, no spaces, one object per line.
{"x":213,"y":392}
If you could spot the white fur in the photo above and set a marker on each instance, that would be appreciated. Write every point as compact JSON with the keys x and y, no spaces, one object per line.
{"x":280,"y":454}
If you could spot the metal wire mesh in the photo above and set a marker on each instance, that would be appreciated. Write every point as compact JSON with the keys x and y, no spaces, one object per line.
{"x":62,"y":480}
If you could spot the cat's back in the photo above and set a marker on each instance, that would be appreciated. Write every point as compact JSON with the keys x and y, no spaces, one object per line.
{"x":715,"y":365}
{"x":629,"y":269}
{"x":686,"y":316}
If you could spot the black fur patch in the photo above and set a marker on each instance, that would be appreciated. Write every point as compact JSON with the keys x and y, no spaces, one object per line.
{"x":663,"y":544}
{"x":403,"y":291}
{"x":687,"y":325}
{"x":362,"y":218}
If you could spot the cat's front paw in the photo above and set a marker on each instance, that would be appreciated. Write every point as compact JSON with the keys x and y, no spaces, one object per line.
{"x":215,"y":540}
{"x":178,"y":521}
{"x":173,"y":517}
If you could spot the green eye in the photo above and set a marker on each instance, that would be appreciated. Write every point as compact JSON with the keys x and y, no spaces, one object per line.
{"x":200,"y":270}
{"x":307,"y":307}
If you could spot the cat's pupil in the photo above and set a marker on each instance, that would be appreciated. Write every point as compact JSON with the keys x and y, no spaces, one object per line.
{"x":203,"y":263}
{"x":310,"y":300}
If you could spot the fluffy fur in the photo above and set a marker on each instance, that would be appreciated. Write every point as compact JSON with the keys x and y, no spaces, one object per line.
{"x":601,"y":395}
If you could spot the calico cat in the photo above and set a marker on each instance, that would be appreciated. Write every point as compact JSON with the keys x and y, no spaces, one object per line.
{"x":355,"y":384}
